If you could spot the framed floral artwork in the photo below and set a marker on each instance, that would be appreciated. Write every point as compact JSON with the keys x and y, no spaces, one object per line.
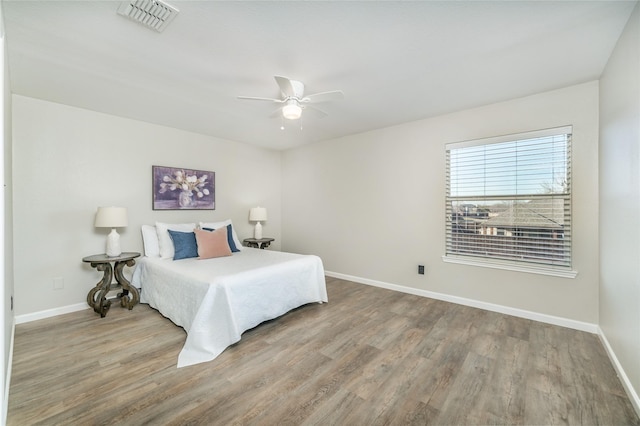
{"x":177,"y":188}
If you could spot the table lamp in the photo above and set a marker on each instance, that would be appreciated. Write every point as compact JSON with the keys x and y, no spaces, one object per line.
{"x":112,"y":217}
{"x":257,"y":214}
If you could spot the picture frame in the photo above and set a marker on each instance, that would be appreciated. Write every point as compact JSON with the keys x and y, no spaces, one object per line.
{"x":179,"y":188}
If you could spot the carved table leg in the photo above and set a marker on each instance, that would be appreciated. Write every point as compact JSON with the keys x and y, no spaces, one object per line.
{"x":101,"y":304}
{"x":125,"y":300}
{"x":265,"y":244}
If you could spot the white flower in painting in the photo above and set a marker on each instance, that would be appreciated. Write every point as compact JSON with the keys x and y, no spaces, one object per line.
{"x":181,"y":180}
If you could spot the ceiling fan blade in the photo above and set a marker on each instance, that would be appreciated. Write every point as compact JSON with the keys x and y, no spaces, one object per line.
{"x":285,"y":86}
{"x":334,"y":95}
{"x":253,"y":98}
{"x":313,"y":111}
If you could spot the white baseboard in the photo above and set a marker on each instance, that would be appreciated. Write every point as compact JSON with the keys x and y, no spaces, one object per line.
{"x":521,"y":313}
{"x":626,"y":383}
{"x":535,"y":316}
{"x":20,"y":319}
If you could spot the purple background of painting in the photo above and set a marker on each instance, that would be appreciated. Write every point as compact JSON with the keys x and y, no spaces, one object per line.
{"x":169,"y":199}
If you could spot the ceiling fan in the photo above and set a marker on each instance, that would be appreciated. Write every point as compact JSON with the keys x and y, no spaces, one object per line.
{"x":294,"y":99}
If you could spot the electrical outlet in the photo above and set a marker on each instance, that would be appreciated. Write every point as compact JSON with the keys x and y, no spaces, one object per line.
{"x":421,"y":269}
{"x":58,"y":283}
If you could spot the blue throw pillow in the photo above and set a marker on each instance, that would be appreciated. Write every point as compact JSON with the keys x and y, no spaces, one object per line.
{"x":184,"y":244}
{"x":232,"y":244}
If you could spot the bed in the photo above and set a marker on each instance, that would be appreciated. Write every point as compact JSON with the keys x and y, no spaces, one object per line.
{"x":216,"y":299}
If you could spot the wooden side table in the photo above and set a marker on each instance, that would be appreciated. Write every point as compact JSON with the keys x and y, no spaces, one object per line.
{"x":261,"y":243}
{"x":102,"y":262}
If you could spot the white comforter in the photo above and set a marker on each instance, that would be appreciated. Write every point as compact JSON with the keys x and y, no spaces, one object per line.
{"x":216,"y":300}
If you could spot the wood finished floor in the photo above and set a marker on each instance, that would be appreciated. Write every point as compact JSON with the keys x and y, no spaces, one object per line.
{"x":370,"y":356}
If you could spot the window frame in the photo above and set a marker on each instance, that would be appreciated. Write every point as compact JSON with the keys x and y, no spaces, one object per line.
{"x":487,"y":260}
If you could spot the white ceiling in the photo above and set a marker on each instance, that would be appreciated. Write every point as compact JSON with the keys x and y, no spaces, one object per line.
{"x":395,"y":61}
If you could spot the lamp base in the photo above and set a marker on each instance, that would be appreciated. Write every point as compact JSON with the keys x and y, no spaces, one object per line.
{"x":113,"y":244}
{"x":257,"y":232}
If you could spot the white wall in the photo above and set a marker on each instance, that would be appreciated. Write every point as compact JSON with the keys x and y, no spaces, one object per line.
{"x":68,"y":161}
{"x":372,"y":205}
{"x":620,"y":202}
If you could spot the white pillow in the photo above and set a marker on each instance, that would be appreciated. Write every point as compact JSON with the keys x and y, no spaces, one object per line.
{"x":216,"y":225}
{"x":150,"y":241}
{"x":164,"y":239}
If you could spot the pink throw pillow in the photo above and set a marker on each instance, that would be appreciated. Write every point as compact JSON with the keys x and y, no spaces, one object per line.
{"x":212,"y":243}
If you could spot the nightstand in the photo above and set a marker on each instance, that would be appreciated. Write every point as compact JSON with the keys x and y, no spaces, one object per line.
{"x":102,"y":262}
{"x":261,"y":243}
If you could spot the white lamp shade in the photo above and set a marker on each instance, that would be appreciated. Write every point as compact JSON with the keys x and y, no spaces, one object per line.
{"x":258,"y":214}
{"x":111,"y":217}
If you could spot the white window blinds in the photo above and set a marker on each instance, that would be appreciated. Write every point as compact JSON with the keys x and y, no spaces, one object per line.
{"x":509,"y":199}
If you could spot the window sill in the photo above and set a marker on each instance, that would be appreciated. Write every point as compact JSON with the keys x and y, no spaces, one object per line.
{"x":563,"y":273}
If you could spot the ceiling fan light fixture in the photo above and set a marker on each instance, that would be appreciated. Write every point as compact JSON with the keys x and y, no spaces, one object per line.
{"x":291,"y":111}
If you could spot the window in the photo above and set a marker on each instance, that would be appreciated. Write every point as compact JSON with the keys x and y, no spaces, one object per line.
{"x":508,"y":202}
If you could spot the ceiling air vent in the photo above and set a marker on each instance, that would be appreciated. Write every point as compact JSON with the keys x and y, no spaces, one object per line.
{"x":154,"y":14}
